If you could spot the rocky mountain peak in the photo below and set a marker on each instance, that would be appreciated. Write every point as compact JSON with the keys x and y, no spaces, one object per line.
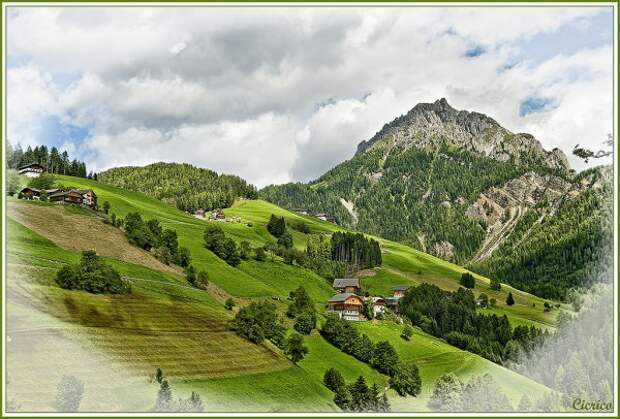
{"x":429,"y":125}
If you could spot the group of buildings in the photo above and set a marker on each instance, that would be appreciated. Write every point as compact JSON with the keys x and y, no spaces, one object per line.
{"x":321,"y":215}
{"x":217,"y":215}
{"x":82,"y":197}
{"x":348,"y":304}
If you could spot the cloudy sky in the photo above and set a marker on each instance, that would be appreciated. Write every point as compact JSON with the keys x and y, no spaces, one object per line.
{"x":283,"y":94}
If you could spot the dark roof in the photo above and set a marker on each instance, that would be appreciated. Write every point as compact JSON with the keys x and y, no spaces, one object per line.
{"x":346,"y":282}
{"x":30,"y":165}
{"x":54,"y":195}
{"x":83,"y":191}
{"x":27,"y":188}
{"x":342,"y":297}
{"x":401,"y":288}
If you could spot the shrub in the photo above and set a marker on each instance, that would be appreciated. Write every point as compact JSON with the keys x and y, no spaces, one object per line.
{"x":202,"y":280}
{"x":305,"y":322}
{"x":224,"y":247}
{"x":258,"y":321}
{"x":68,"y":278}
{"x":407,"y":332}
{"x":295,"y":348}
{"x":301,"y":227}
{"x":163,"y":255}
{"x":244,"y":250}
{"x":333,"y":379}
{"x":285,"y":240}
{"x":467,"y":280}
{"x":229,"y":303}
{"x":406,"y":380}
{"x":276,"y":225}
{"x":183,"y":257}
{"x":92,"y":275}
{"x":260,"y":254}
{"x":385,"y":359}
{"x":510,"y":299}
{"x":495,"y":284}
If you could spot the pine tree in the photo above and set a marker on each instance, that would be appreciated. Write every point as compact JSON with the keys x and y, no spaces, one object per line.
{"x":164,"y":397}
{"x":510,"y":299}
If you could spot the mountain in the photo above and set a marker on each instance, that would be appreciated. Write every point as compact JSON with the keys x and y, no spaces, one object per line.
{"x":183,"y":185}
{"x":458,"y":185}
{"x":429,"y":125}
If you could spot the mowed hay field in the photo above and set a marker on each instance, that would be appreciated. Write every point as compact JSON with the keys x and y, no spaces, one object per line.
{"x":435,"y":357}
{"x":161,"y":324}
{"x":166,"y":323}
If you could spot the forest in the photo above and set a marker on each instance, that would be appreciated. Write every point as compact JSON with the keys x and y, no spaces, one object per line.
{"x":569,"y":250}
{"x":53,"y":160}
{"x":413,"y":196}
{"x":453,"y":316}
{"x":185,"y":186}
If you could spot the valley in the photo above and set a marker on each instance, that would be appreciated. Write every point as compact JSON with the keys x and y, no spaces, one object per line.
{"x":164,"y":323}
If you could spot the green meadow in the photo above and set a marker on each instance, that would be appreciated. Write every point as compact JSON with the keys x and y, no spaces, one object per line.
{"x":166,"y":323}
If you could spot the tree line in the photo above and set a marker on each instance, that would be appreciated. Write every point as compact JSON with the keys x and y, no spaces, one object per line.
{"x":259,"y":321}
{"x":453,"y":316}
{"x":357,"y":396}
{"x":566,"y":251}
{"x":92,"y":275}
{"x":328,"y":256}
{"x":355,"y":250}
{"x":404,"y":377}
{"x":53,"y":160}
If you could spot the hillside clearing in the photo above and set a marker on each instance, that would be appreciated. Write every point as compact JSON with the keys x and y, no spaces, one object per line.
{"x":81,"y":230}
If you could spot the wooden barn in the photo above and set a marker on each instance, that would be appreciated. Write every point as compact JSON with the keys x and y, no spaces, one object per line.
{"x":351,"y":285}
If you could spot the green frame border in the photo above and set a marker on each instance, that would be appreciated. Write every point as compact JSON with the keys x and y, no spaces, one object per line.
{"x":342,"y":4}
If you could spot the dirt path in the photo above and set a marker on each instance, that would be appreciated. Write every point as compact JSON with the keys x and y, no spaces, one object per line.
{"x":77,"y":232}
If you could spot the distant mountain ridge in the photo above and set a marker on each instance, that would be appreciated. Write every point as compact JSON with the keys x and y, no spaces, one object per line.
{"x":458,"y":185}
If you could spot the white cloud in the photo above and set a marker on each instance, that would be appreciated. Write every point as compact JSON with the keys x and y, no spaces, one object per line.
{"x":284,"y":94}
{"x":258,"y":149}
{"x":31,"y":95}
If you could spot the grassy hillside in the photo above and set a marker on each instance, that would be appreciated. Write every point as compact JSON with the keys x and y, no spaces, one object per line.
{"x":165,"y":323}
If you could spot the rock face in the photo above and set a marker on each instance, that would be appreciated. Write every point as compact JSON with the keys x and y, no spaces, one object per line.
{"x":443,"y":250}
{"x":428,"y":125}
{"x":500,"y":208}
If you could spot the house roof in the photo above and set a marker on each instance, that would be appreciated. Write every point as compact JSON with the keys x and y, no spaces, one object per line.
{"x":343,"y":297}
{"x":401,"y":288}
{"x":346,"y":282}
{"x":26,"y":166}
{"x":27,"y":188}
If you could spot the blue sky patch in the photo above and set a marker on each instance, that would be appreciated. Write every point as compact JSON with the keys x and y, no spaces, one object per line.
{"x":584,"y":33}
{"x":533,"y":105}
{"x":475,"y":51}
